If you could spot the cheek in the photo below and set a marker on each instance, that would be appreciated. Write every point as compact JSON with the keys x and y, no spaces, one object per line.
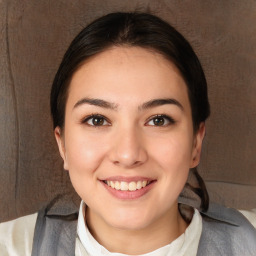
{"x":83,"y":153}
{"x":173,"y":151}
{"x":174,"y":158}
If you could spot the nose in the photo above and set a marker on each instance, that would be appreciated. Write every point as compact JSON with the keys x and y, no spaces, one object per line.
{"x":128,"y":149}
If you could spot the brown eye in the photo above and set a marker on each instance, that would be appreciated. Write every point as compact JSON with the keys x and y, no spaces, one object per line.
{"x":96,"y":120}
{"x":160,"y":120}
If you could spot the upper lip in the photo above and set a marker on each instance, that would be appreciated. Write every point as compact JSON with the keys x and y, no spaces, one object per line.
{"x":127,"y":179}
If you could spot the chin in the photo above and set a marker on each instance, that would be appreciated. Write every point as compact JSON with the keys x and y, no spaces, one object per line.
{"x":130,"y":225}
{"x":130,"y":220}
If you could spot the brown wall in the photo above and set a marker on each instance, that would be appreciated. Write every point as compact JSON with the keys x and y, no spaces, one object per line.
{"x":34,"y":36}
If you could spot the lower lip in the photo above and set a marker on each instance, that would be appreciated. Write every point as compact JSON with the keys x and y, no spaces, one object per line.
{"x":129,"y":195}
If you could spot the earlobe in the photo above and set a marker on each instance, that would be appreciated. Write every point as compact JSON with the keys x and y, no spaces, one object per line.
{"x":197,"y":147}
{"x":61,"y":145}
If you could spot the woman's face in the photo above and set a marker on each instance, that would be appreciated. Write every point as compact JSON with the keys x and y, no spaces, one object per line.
{"x":128,"y":139}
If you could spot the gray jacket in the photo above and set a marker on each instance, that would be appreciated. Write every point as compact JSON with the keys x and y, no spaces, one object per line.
{"x":225,"y":232}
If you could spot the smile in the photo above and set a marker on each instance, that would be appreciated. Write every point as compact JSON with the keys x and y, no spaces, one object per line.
{"x":127,"y":186}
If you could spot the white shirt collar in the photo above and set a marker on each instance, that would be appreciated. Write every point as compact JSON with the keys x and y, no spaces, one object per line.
{"x":184,"y":245}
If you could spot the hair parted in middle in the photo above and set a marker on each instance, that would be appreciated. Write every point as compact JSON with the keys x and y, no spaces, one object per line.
{"x":132,"y":29}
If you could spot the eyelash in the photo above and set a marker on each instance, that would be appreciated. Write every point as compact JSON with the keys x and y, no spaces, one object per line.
{"x":94,"y":116}
{"x":167,"y":118}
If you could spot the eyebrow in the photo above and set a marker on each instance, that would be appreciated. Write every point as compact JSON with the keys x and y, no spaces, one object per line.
{"x":109,"y":105}
{"x":96,"y":102}
{"x":160,"y":102}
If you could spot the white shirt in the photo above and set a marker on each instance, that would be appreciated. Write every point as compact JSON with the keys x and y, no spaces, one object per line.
{"x":184,"y":245}
{"x":16,"y":238}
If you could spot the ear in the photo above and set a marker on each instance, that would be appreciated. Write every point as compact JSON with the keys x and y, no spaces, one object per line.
{"x":197,"y":146}
{"x":61,"y":145}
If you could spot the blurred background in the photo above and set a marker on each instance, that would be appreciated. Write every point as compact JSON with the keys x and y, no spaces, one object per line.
{"x":34,"y":36}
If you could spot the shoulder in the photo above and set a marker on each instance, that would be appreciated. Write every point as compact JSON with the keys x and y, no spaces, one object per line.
{"x":16,"y":236}
{"x":250,"y":215}
{"x":226,"y":232}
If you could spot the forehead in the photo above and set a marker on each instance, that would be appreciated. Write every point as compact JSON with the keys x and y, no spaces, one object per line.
{"x":135,"y":56}
{"x":122,"y":73}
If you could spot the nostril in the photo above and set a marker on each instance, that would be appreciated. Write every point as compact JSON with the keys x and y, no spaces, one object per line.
{"x":131,"y":164}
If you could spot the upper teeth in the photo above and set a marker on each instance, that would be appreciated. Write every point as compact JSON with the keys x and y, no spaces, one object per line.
{"x":125,"y":186}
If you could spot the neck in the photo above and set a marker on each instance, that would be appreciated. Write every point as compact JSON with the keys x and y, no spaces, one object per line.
{"x":133,"y":242}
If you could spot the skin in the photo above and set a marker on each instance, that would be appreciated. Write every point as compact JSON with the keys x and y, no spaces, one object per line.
{"x":130,"y":144}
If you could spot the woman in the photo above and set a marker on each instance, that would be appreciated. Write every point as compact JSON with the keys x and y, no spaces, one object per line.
{"x":129,"y":104}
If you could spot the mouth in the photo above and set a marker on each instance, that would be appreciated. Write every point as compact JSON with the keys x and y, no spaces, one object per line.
{"x":127,"y":186}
